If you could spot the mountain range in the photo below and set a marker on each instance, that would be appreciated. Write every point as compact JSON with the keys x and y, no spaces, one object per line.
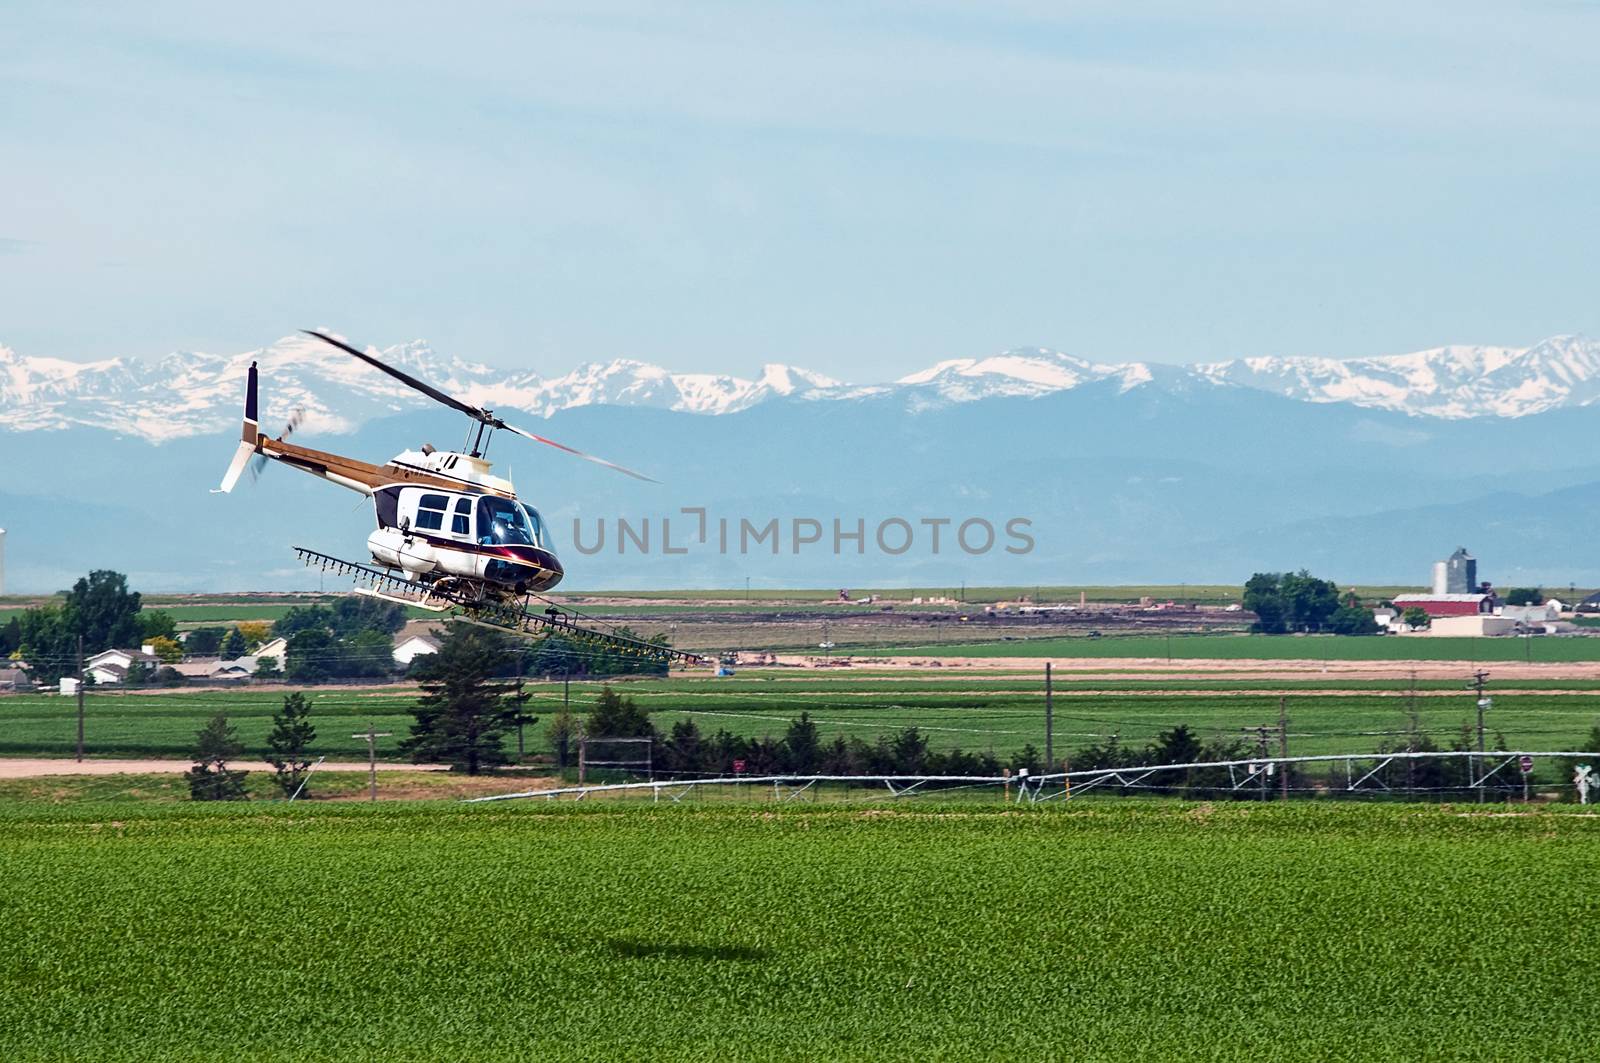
{"x":192,"y":393}
{"x":1362,"y":470}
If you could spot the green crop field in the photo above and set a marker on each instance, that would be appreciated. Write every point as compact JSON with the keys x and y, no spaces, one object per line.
{"x":1151,"y":930}
{"x":999,"y":713}
{"x":1267,"y":647}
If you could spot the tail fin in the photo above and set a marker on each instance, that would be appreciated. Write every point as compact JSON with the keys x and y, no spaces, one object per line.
{"x":249,"y":437}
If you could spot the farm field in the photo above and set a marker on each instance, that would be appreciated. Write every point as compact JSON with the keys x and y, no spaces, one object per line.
{"x":1267,"y":647}
{"x":1144,"y":930}
{"x":984,"y":712}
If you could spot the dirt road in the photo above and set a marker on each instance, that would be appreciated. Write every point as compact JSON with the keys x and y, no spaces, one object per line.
{"x":37,"y":767}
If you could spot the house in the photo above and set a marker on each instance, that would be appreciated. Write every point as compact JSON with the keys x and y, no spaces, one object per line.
{"x":212,"y":669}
{"x":1437,"y":605}
{"x":109,"y":667}
{"x":414,"y":647}
{"x":14,"y":680}
{"x":106,"y":674}
{"x":277,"y":649}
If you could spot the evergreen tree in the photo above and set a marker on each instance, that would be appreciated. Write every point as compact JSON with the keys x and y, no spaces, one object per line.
{"x":203,"y":641}
{"x":803,"y":746}
{"x":233,"y":644}
{"x":464,"y":712}
{"x":683,"y":751}
{"x":290,"y":738}
{"x":614,"y":716}
{"x":153,"y":622}
{"x":210,"y":779}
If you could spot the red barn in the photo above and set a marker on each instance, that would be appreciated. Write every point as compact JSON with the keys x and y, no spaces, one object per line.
{"x":1447,"y":604}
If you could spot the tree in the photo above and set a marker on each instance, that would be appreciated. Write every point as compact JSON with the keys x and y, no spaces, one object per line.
{"x":291,"y":736}
{"x":1524,"y":596}
{"x":683,"y":752}
{"x":10,"y":637}
{"x":267,"y":668}
{"x":1352,"y":619}
{"x":1263,"y":598}
{"x":1177,"y":746}
{"x":256,"y":633}
{"x":233,"y":644}
{"x":303,"y":618}
{"x":153,"y":622}
{"x":464,"y":712}
{"x":803,"y":745}
{"x":366,"y":653}
{"x":210,"y":779}
{"x":205,"y":641}
{"x":563,"y":731}
{"x":102,"y":609}
{"x":1291,"y":601}
{"x":356,"y":613}
{"x":47,"y":643}
{"x":614,"y":716}
{"x":310,"y":655}
{"x":910,"y":751}
{"x":1415,"y":617}
{"x":139,"y":674}
{"x":167,"y":650}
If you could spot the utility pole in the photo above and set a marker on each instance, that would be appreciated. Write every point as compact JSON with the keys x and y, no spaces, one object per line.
{"x":1478,"y":679}
{"x":372,"y":758}
{"x":80,"y":699}
{"x":520,"y":699}
{"x":1049,"y":721}
{"x":1283,"y":748}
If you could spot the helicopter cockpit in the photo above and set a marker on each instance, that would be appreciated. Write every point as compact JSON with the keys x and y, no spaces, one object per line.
{"x":502,"y":522}
{"x":488,"y":520}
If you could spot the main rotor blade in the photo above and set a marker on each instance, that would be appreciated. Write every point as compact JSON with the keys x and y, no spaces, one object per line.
{"x":571,"y":450}
{"x":407,"y":379}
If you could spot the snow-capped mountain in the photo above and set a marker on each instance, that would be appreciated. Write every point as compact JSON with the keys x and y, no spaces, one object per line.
{"x":192,"y":393}
{"x":1448,"y":382}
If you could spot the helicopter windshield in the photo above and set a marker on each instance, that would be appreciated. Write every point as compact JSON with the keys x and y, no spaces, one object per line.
{"x":502,"y":522}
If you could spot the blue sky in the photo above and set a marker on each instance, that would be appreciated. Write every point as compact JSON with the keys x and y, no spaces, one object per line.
{"x":862,"y":188}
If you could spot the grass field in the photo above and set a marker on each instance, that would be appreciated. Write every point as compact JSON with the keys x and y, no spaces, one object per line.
{"x":486,"y":933}
{"x":999,"y":713}
{"x":1267,"y":647}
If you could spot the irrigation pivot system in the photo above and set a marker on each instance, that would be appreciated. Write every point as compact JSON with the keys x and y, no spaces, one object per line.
{"x":1362,"y":774}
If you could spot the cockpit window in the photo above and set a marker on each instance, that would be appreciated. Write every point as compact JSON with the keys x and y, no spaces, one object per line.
{"x":461,"y":520}
{"x":430,"y":511}
{"x":501,"y":522}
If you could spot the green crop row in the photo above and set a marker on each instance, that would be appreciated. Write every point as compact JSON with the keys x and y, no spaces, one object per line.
{"x":488,"y":933}
{"x":1002,"y":719}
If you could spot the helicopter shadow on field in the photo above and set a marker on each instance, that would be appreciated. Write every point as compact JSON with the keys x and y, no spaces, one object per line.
{"x":633,"y":948}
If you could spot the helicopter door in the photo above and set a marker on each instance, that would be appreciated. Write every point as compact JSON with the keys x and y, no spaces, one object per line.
{"x":461,"y":519}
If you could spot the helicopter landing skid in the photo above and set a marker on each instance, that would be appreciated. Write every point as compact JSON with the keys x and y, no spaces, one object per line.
{"x":430,"y":604}
{"x":517,"y":615}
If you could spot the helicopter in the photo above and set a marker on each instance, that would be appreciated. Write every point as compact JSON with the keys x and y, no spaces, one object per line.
{"x":451,"y":535}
